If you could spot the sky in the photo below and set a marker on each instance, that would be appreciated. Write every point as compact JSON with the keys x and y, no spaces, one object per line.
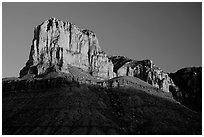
{"x":170,"y":34}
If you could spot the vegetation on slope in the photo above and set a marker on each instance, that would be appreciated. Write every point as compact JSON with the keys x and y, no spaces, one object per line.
{"x":88,"y":109}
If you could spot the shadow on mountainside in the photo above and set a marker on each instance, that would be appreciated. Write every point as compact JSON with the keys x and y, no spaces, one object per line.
{"x":91,"y":109}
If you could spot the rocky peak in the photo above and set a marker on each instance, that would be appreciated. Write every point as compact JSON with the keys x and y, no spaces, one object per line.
{"x":58,"y":43}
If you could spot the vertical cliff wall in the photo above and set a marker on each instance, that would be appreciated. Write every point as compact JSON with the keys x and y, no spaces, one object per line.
{"x":57,"y":43}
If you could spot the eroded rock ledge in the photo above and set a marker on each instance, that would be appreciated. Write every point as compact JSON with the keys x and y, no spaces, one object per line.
{"x":144,"y":69}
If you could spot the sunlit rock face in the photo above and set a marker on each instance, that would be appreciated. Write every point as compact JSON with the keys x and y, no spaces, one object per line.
{"x":144,"y":69}
{"x":57,"y":43}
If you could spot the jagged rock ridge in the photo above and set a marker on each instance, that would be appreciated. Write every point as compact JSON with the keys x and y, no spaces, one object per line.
{"x":57,"y":43}
{"x":144,"y":69}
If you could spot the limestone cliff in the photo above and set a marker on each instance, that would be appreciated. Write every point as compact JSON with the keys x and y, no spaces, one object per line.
{"x":143,"y":69}
{"x":57,"y":43}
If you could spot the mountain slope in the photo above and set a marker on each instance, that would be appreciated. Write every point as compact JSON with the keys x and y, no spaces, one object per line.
{"x":88,"y":109}
{"x":134,"y":82}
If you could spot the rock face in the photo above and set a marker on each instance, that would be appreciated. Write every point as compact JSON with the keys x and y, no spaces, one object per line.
{"x":189,"y":81}
{"x":57,"y":43}
{"x":144,"y":70}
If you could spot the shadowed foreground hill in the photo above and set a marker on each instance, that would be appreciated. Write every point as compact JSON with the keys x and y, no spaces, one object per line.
{"x":89,"y":109}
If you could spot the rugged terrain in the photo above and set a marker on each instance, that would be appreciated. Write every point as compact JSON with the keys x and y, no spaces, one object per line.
{"x":70,"y":86}
{"x":144,"y":69}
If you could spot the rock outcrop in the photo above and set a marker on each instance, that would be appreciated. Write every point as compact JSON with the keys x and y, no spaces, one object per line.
{"x":58,"y":43}
{"x":189,"y":91}
{"x":144,"y":69}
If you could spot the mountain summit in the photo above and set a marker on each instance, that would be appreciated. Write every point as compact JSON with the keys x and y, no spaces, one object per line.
{"x":57,"y":43}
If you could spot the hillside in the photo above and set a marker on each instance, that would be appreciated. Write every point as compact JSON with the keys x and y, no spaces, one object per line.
{"x":88,"y":109}
{"x":134,"y":82}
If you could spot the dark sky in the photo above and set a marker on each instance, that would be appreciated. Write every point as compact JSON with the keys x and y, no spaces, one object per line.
{"x":170,"y":34}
